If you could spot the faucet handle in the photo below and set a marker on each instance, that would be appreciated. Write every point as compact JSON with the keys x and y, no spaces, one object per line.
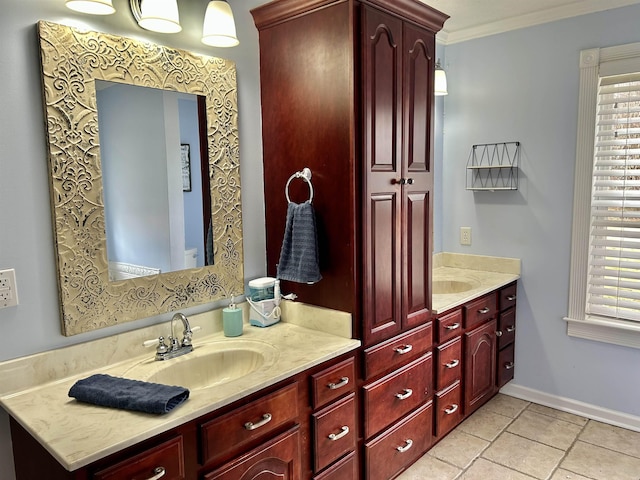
{"x":188,"y":334}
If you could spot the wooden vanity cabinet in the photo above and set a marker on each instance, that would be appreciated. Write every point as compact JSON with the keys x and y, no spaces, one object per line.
{"x":347,"y":90}
{"x":286,"y":430}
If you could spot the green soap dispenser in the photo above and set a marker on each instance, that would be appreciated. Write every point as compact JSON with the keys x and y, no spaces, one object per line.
{"x":232,"y":320}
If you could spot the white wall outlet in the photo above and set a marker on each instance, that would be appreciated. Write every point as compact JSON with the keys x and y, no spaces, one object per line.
{"x":465,"y":235}
{"x":8,"y":291}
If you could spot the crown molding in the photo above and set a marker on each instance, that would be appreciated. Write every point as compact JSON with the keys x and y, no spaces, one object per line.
{"x":549,"y":15}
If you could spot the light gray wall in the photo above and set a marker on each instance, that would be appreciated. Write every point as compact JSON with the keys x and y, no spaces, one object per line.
{"x":523,"y":85}
{"x":26,"y":239}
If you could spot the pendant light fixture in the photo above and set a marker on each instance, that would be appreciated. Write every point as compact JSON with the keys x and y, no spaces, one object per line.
{"x":157,"y":15}
{"x":219,"y":28}
{"x":440,"y":81}
{"x":93,"y":7}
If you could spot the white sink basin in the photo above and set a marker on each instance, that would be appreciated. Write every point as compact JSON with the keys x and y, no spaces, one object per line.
{"x":443,"y":287}
{"x":208,"y":365}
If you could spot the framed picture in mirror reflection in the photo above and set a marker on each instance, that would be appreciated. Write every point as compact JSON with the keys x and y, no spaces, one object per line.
{"x":185,"y":162}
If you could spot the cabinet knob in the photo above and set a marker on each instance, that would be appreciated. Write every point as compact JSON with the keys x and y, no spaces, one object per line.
{"x":499,"y":333}
{"x":408,"y":443}
{"x":266,"y":418}
{"x":398,"y":181}
{"x":158,"y":473}
{"x":337,"y":436}
{"x":334,"y":386}
{"x":409,"y":181}
{"x":406,"y":393}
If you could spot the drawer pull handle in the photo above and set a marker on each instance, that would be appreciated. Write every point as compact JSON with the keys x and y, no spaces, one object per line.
{"x":499,"y":333}
{"x":334,"y":386}
{"x":407,"y":445}
{"x":511,"y":298}
{"x":453,"y":326}
{"x":484,"y":310}
{"x":406,"y":393}
{"x":403,"y":350}
{"x":509,"y":366}
{"x":511,"y":328}
{"x":266,"y":418}
{"x":452,"y":364}
{"x":337,"y":436}
{"x":158,"y":473}
{"x":452,"y":409}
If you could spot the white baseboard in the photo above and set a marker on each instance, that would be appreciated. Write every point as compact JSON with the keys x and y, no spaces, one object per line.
{"x":594,"y":412}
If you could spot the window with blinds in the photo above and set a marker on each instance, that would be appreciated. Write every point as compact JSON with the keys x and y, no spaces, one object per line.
{"x":613,"y":284}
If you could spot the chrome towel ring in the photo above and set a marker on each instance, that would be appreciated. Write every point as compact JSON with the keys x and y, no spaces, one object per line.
{"x":305,"y":174}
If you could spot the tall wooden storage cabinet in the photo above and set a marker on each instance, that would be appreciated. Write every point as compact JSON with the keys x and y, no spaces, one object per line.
{"x":347,"y":90}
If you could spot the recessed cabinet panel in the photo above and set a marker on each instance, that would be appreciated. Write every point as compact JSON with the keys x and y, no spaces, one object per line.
{"x":333,"y":382}
{"x":506,"y":365}
{"x":480,"y":310}
{"x":417,"y":264}
{"x":449,"y":367}
{"x":480,"y":365}
{"x":507,"y":328}
{"x":448,"y":409}
{"x":277,"y":459}
{"x":449,"y":326}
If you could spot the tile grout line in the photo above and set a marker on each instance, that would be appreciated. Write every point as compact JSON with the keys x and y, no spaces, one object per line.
{"x":566,"y":452}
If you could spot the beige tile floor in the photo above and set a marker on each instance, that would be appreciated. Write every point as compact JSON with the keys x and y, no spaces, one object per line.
{"x":511,"y":439}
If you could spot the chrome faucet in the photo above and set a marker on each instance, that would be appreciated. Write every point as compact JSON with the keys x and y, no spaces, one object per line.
{"x":175,"y":348}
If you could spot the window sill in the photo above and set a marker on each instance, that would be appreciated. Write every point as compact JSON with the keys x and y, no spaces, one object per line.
{"x":616,"y":332}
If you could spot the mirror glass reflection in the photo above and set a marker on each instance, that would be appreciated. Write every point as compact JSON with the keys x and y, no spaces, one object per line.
{"x":154,"y":196}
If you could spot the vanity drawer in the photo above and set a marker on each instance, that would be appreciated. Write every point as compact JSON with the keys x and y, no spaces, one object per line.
{"x":399,"y":446}
{"x":506,"y":365}
{"x":480,"y":310}
{"x":449,"y":326}
{"x":449,"y":368}
{"x":398,"y":350}
{"x":448,"y":409}
{"x":392,"y":396}
{"x":236,"y":429}
{"x":167,"y":457}
{"x":333,"y":382}
{"x":334,"y":431}
{"x":506,"y":328}
{"x":346,"y":468}
{"x":507,"y":297}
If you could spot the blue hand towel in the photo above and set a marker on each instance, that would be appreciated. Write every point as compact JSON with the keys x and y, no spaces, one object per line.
{"x":127,"y":394}
{"x":299,"y":253}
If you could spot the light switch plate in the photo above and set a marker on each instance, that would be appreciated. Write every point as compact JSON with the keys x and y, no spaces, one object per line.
{"x":8,"y":291}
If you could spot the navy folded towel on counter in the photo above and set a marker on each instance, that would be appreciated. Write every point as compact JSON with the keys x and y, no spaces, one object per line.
{"x":127,"y":394}
{"x":299,"y":253}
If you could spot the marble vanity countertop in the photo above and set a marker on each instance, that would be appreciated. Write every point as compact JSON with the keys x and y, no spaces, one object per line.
{"x":77,"y":434}
{"x":483,"y":274}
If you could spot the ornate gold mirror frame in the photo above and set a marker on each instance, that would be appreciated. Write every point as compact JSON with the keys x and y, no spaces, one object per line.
{"x":71,"y":62}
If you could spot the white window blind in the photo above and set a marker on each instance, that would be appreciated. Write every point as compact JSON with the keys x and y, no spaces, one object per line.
{"x":613,"y":288}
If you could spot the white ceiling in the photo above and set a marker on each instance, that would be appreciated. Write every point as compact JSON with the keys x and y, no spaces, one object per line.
{"x":478,"y":18}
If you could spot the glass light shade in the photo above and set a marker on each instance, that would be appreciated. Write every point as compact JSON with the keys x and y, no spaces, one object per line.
{"x":160,"y":16}
{"x":440,"y":81}
{"x":94,"y":7}
{"x":219,"y":29}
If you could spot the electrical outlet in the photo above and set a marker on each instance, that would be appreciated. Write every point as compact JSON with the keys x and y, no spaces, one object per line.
{"x":8,"y":291}
{"x":465,"y":235}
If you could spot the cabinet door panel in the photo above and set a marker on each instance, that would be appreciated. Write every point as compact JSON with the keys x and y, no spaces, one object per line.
{"x":334,"y":431}
{"x":449,"y":367}
{"x":278,"y":459}
{"x":382,"y":127}
{"x":417,"y":264}
{"x":480,"y":365}
{"x":506,"y":365}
